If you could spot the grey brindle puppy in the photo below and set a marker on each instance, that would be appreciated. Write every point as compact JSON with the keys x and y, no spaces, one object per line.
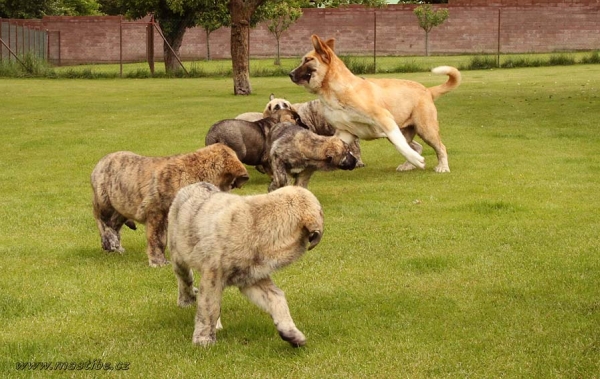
{"x":297,"y":153}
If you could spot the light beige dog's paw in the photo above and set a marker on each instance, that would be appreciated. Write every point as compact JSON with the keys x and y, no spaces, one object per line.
{"x":418,"y":160}
{"x":187,"y":298}
{"x":406,"y":166}
{"x":203,"y":341}
{"x":442,"y":168}
{"x":295,"y":337}
{"x":158,"y":262}
{"x":186,"y":302}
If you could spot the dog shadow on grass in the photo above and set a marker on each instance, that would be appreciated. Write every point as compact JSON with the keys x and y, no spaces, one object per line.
{"x":91,"y":255}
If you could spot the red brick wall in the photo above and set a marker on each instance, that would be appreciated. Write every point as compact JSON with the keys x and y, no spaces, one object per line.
{"x":473,"y":27}
{"x":519,"y":3}
{"x":557,"y":25}
{"x":84,"y":39}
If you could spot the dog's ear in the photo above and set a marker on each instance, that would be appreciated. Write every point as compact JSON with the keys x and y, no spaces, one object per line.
{"x":239,"y":181}
{"x":331,"y":42}
{"x":313,"y":225}
{"x":297,"y":118}
{"x":335,"y":149}
{"x":314,"y":238}
{"x":271,"y":97}
{"x":322,"y":48}
{"x":329,"y":154}
{"x":299,"y":121}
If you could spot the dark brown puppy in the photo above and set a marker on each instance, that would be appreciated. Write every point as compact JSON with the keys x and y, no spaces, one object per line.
{"x":249,"y":139}
{"x":129,"y":187}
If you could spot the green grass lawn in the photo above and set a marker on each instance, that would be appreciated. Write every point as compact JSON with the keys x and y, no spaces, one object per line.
{"x":492,"y":270}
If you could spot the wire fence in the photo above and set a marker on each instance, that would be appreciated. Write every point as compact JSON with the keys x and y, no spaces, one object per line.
{"x":19,"y":38}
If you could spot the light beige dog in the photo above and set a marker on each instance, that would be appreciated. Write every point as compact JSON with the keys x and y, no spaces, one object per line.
{"x":376,"y":108}
{"x":129,"y":187}
{"x":239,"y":241}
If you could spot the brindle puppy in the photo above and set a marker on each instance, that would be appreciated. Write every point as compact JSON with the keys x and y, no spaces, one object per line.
{"x":311,"y":114}
{"x":129,"y":187}
{"x":296,"y":153}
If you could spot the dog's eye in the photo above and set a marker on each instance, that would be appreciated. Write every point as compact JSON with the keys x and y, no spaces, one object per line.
{"x":306,"y":60}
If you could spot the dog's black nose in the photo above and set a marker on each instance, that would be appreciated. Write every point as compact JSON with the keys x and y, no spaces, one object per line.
{"x":291,"y":75}
{"x":349,"y":162}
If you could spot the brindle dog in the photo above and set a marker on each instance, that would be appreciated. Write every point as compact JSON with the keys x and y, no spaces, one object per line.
{"x":129,"y":187}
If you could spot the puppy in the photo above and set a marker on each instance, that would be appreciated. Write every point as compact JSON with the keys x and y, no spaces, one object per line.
{"x":239,"y":241}
{"x":272,"y":106}
{"x":296,"y":153}
{"x":311,"y":114}
{"x":275,"y":104}
{"x":129,"y":187}
{"x":376,"y":108}
{"x":249,"y":139}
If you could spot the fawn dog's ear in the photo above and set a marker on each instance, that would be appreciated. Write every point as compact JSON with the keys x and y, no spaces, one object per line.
{"x":322,"y":48}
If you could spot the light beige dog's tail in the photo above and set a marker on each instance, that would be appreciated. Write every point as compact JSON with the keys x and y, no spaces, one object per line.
{"x":452,"y":83}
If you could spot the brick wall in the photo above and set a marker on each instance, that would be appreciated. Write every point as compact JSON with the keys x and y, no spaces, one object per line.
{"x":520,"y":3}
{"x":556,"y":25}
{"x":473,"y":27}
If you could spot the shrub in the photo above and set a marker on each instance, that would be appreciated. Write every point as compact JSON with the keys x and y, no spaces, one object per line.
{"x":358,"y":66}
{"x":269,"y":72}
{"x":561,"y":60}
{"x":408,"y":67}
{"x":594,"y":57}
{"x":139,"y":73}
{"x":28,"y":66}
{"x":514,"y":62}
{"x":481,"y":62}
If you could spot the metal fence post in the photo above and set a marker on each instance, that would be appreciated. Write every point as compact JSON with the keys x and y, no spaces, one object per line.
{"x":498,"y":52}
{"x":121,"y":47}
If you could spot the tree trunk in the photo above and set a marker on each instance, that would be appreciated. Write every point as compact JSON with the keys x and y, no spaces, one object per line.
{"x":426,"y":43}
{"x":173,"y":31}
{"x":207,"y":44}
{"x":240,"y":56}
{"x":277,"y":58}
{"x":171,"y":62}
{"x":241,"y":11}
